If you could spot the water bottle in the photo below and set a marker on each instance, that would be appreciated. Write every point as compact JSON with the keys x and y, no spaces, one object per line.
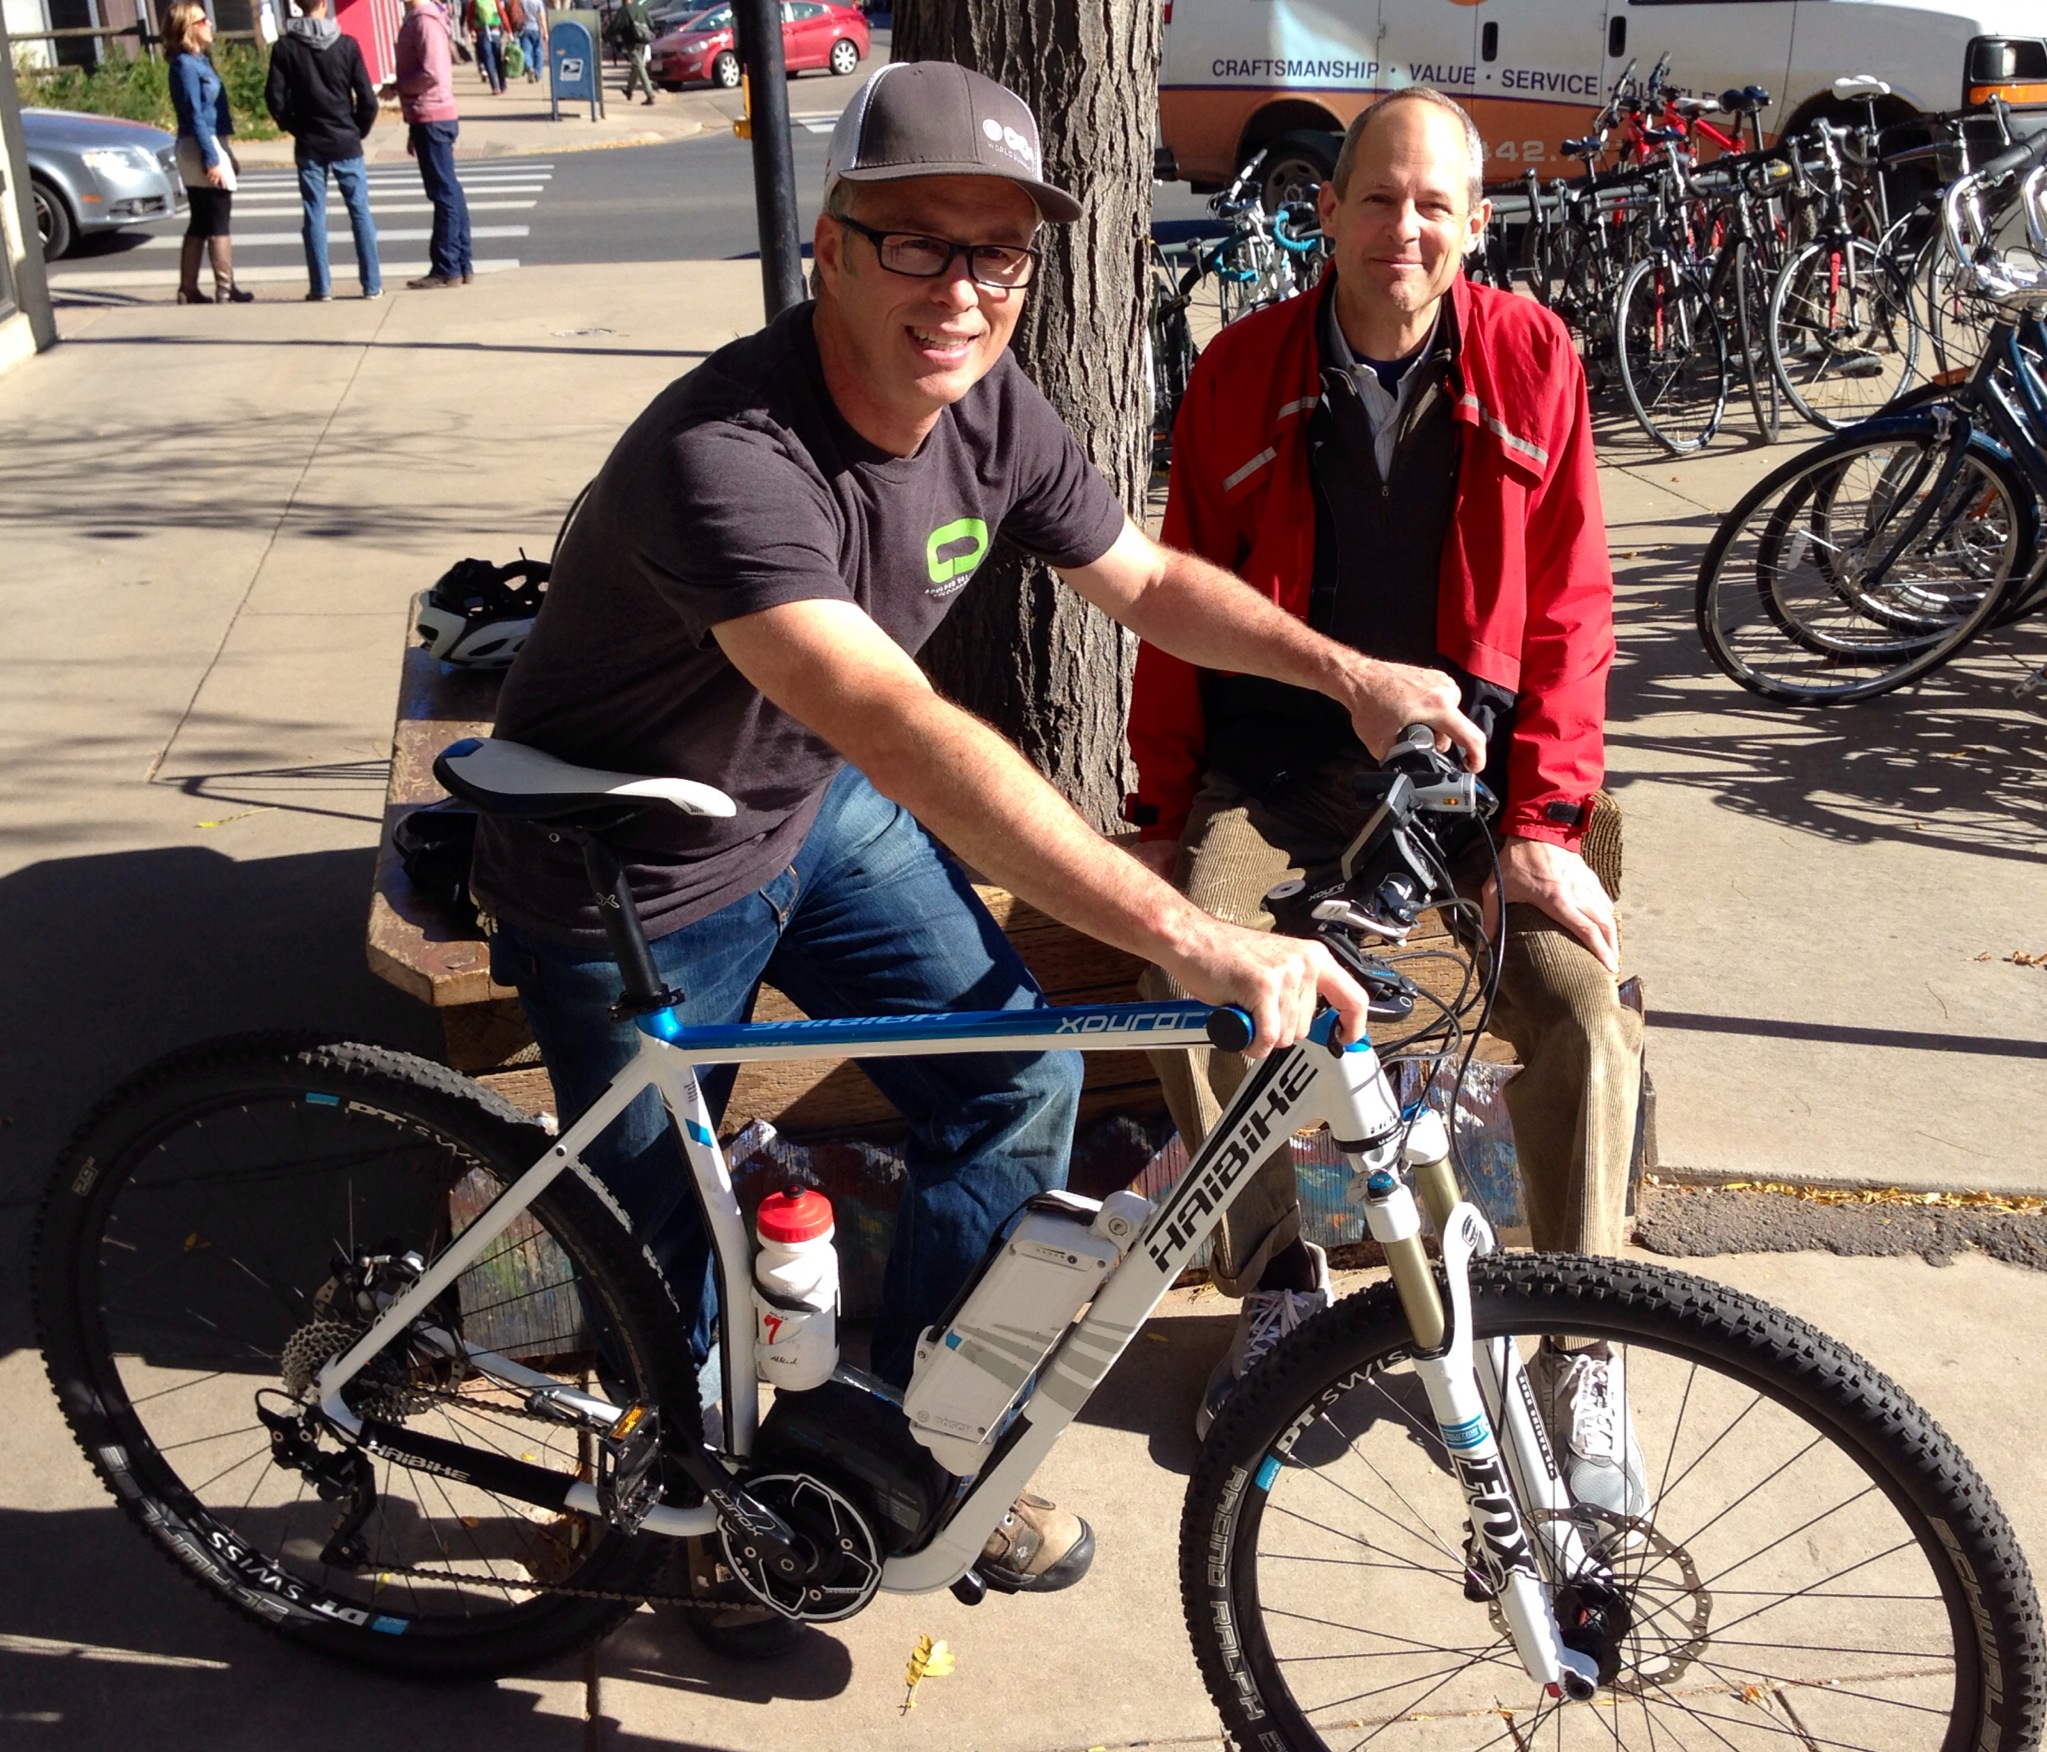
{"x":796,"y":1290}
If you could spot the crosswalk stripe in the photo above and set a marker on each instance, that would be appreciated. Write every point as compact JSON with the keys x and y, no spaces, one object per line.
{"x":119,"y":279}
{"x":379,"y":208}
{"x":277,"y":239}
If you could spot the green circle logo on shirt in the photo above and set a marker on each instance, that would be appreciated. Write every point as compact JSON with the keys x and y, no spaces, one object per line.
{"x":952,"y":551}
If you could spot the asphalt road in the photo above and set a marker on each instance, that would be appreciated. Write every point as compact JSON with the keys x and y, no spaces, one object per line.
{"x":687,"y":200}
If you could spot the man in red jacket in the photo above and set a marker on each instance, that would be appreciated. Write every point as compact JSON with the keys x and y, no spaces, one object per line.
{"x":1405,"y":461}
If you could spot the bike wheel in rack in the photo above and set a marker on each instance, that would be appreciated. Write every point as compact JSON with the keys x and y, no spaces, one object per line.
{"x":1862,"y":565}
{"x":1821,"y":1567}
{"x":202,"y":1250}
{"x":1842,"y":336}
{"x":1672,"y":352}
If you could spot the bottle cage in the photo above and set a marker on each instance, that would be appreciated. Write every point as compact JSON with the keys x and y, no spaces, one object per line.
{"x":478,"y":615}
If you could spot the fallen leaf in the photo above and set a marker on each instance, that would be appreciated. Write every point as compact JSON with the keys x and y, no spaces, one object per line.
{"x":243,"y":816}
{"x":928,"y":1660}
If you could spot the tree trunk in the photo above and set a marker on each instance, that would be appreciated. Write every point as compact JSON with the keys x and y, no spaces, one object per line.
{"x":1020,"y":649}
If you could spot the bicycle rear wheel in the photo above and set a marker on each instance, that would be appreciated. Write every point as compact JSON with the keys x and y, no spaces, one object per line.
{"x":1822,"y":1568}
{"x":202,"y":1251}
{"x":1862,"y":565}
{"x":1842,"y":338}
{"x":1673,"y":354}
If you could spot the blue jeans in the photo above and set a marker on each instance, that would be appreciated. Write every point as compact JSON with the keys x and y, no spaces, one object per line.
{"x":350,"y":178}
{"x":534,"y":50}
{"x":433,"y":144}
{"x":490,"y":56}
{"x":869,"y":920}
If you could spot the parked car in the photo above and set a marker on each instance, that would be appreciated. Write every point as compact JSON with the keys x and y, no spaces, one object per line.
{"x":90,"y":174}
{"x":815,"y":33}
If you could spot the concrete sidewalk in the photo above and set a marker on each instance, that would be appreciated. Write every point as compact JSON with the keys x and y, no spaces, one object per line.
{"x":209,"y":530}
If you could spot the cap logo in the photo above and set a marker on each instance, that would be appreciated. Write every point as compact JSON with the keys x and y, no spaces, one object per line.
{"x":1010,"y":141}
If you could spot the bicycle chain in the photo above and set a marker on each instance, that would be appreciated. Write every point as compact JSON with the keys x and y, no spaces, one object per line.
{"x":533,"y":1585}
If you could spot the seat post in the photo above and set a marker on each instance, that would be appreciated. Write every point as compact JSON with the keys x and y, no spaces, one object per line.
{"x":644,"y":992}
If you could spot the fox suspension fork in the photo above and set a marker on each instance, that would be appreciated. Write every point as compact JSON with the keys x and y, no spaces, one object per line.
{"x":1477,"y":1396}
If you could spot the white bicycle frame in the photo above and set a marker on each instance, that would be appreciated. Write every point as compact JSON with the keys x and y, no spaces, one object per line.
{"x":1481,"y":1399}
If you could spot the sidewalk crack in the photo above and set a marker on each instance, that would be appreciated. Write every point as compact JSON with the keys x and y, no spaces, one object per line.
{"x":284,"y":512}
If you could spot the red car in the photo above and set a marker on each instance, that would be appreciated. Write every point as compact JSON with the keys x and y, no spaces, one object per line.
{"x":815,"y":33}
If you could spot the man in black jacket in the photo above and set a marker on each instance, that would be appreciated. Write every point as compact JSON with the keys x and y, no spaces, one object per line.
{"x":320,"y":94}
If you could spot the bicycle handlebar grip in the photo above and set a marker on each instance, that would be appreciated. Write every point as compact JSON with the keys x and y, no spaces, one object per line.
{"x":2023,"y":156}
{"x":1229,"y":1029}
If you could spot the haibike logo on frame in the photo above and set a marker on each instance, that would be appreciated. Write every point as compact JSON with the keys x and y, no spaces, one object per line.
{"x":1246,"y":1146}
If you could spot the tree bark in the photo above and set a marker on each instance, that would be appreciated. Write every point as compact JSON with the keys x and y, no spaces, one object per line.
{"x":1020,"y":649}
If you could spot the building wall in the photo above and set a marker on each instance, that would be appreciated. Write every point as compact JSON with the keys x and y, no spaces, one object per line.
{"x":30,"y":326}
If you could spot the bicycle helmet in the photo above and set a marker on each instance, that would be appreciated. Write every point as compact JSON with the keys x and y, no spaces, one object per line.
{"x":478,"y":615}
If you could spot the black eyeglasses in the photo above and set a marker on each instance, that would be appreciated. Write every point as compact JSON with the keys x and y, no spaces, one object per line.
{"x":1002,"y":267}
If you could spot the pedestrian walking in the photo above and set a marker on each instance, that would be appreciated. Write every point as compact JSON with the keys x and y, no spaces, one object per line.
{"x":205,"y":160}
{"x":319,"y":92}
{"x":426,"y":94}
{"x":532,"y":29}
{"x":486,"y":25}
{"x":632,"y":35}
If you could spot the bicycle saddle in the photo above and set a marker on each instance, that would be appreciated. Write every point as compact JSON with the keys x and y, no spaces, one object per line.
{"x":1588,"y":147}
{"x":1852,"y":87}
{"x":1746,"y":99}
{"x":507,"y":778}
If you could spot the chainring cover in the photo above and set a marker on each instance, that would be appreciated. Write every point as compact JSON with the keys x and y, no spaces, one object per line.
{"x":843,"y":1571}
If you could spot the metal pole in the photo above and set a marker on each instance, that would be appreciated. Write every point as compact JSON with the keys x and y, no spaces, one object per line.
{"x":774,"y":167}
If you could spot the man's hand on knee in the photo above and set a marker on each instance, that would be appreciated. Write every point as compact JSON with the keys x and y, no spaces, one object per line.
{"x":1276,"y":979}
{"x":1561,"y":884}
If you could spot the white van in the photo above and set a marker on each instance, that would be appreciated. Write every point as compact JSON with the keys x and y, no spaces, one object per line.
{"x":1239,"y":75}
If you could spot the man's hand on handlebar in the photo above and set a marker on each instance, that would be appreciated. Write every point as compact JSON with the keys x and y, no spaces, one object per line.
{"x":1277,"y":980}
{"x":1386,"y":698}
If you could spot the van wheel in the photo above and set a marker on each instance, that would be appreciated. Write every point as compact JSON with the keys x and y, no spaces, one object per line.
{"x":1295,"y":166}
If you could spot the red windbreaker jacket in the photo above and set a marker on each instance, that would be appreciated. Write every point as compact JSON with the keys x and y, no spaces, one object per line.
{"x":1526,"y":590}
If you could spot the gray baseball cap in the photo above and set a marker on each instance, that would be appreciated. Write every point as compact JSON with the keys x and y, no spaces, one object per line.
{"x":934,"y":118}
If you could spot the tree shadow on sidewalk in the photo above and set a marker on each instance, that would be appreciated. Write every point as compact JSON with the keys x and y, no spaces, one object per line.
{"x":117,"y":959}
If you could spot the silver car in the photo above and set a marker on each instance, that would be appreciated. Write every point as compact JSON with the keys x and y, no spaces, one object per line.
{"x":92,"y":174}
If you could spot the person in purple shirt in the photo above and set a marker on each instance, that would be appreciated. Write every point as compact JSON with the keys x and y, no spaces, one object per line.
{"x":426,"y":94}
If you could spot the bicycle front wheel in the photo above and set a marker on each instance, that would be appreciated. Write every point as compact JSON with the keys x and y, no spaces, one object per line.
{"x":1821,"y":1567}
{"x":1862,"y":565}
{"x":1673,"y":354}
{"x":1842,"y":337}
{"x":221,"y":1227}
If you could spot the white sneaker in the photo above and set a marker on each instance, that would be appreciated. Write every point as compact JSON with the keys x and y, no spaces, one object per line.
{"x":1584,"y":1400}
{"x":1266,"y":1317}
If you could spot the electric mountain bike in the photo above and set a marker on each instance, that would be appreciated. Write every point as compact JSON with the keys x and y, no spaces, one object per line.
{"x":375,"y":1360}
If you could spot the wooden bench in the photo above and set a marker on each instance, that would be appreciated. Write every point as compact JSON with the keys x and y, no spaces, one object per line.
{"x":415,"y":945}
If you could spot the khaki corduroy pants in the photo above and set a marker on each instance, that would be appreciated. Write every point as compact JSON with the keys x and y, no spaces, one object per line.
{"x":1574,"y":1100}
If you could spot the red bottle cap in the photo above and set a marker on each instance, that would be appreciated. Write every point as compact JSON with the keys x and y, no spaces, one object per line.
{"x":798,"y":1213}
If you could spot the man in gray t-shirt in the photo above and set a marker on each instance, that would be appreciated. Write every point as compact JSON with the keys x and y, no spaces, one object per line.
{"x":740,"y":601}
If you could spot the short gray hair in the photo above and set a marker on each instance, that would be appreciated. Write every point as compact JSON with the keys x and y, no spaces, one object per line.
{"x":1474,"y":143}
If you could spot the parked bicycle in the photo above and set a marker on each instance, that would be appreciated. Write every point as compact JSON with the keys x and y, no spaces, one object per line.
{"x":372,"y":1359}
{"x":1877,"y":556}
{"x":1263,"y":258}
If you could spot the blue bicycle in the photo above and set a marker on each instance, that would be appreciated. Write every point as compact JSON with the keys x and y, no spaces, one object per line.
{"x":375,"y":1360}
{"x":1875,"y":557}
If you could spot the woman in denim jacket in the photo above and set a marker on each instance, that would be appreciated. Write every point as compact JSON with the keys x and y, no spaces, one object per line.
{"x":204,"y":158}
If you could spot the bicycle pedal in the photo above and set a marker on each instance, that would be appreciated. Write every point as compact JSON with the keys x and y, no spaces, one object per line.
{"x":628,"y":1477}
{"x":971,"y":1589}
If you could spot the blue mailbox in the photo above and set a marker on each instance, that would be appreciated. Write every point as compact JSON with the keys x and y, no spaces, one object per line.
{"x":575,"y":60}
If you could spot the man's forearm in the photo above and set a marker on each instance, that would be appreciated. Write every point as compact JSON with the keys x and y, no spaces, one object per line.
{"x":980,"y":796}
{"x":1214,"y":620}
